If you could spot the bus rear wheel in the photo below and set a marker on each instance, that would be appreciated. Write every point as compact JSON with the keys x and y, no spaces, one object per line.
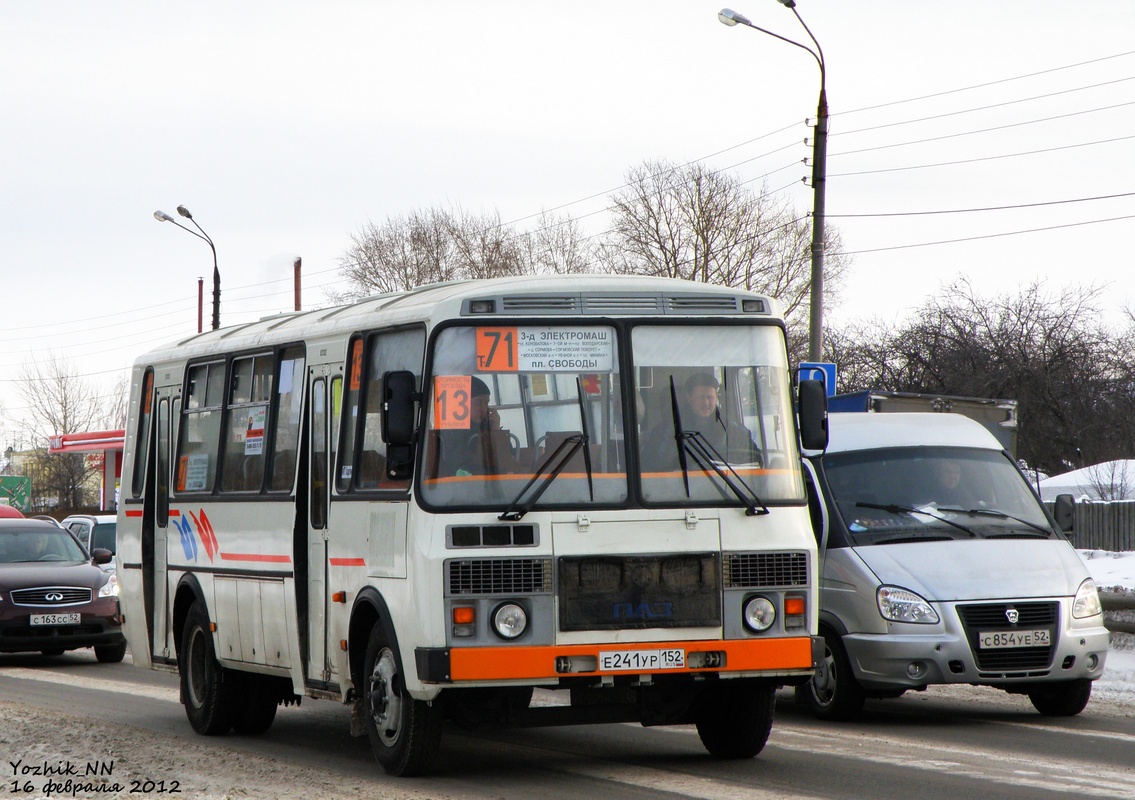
{"x":736,"y":718}
{"x":404,"y":733}
{"x":207,"y":689}
{"x":256,"y":709}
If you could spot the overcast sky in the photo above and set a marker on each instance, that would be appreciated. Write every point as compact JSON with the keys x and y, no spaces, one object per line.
{"x":286,"y":126}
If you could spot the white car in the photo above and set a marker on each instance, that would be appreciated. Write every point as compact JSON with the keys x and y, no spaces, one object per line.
{"x":95,"y":530}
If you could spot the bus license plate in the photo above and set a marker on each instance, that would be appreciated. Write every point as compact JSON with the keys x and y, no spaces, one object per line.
{"x":638,"y":660}
{"x":994,"y":640}
{"x":55,"y":619}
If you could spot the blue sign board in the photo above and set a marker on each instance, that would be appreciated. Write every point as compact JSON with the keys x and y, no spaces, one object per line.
{"x":819,"y":371}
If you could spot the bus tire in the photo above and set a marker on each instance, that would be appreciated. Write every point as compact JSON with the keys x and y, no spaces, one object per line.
{"x":1061,"y":698}
{"x":256,"y":709}
{"x":833,"y":693}
{"x":736,"y":718}
{"x":404,"y":733}
{"x":207,"y":689}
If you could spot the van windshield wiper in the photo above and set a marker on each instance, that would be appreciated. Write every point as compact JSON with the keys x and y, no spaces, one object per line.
{"x":705,"y":455}
{"x":993,"y":512}
{"x":554,"y":464}
{"x":897,"y":509}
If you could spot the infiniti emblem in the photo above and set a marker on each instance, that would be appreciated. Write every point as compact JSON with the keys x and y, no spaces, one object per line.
{"x":1013,"y":615}
{"x":54,"y":597}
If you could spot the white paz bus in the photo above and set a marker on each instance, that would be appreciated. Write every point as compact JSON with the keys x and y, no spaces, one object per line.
{"x":429,"y":504}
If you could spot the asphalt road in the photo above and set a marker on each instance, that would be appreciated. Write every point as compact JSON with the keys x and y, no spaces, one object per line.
{"x":945,"y":743}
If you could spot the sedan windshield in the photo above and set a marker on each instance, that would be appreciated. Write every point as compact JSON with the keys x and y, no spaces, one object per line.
{"x":940,"y":492}
{"x":39,"y":545}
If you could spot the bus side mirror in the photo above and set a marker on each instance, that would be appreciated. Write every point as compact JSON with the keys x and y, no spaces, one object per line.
{"x":813,"y":410}
{"x":1064,"y":510}
{"x":398,"y":393}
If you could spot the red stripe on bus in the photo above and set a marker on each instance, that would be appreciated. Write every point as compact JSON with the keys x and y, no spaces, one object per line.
{"x":132,"y":513}
{"x":348,"y":562}
{"x":255,"y":557}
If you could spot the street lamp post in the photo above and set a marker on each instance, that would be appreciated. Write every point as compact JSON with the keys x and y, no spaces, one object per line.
{"x":819,"y":175}
{"x":161,"y":216}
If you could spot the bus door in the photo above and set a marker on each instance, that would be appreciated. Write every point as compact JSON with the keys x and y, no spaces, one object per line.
{"x":324,"y":389}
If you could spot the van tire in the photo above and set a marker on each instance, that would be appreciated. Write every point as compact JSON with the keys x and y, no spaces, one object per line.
{"x":1062,"y":698}
{"x":404,"y":733}
{"x":736,"y":717}
{"x":207,"y":689}
{"x":833,"y":693}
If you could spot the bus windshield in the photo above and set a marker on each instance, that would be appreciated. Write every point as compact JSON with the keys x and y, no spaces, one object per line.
{"x":714,"y":415}
{"x":533,"y":415}
{"x":509,"y":405}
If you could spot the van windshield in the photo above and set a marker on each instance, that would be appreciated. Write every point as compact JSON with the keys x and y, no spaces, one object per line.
{"x":941,"y":492}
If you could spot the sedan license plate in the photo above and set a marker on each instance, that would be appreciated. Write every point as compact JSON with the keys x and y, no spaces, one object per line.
{"x":56,"y":619}
{"x":994,"y":640}
{"x":639,"y":660}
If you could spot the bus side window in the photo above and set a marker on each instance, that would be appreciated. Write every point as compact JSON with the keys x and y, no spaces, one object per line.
{"x":200,"y":429}
{"x":289,"y":406}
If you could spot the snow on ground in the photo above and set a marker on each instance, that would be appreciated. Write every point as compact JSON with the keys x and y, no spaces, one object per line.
{"x":1115,"y":572}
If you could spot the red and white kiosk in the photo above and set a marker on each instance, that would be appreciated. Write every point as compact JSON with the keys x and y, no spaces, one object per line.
{"x":108,"y":445}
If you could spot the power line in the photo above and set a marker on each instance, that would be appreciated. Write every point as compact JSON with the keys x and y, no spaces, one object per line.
{"x":986,"y":208}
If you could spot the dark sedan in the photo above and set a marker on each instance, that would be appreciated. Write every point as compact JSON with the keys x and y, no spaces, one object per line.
{"x":53,"y":596}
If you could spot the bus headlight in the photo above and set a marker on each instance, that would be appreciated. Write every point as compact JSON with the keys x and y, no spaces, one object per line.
{"x":903,"y":605}
{"x":1087,"y":602}
{"x":759,"y":614}
{"x":510,"y":620}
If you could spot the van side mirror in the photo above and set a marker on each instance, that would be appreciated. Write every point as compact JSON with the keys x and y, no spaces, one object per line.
{"x":399,"y":390}
{"x":1064,"y":510}
{"x":813,"y":411}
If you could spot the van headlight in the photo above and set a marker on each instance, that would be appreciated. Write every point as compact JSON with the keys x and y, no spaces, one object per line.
{"x":903,"y":605}
{"x":1087,"y":602}
{"x":510,"y":620}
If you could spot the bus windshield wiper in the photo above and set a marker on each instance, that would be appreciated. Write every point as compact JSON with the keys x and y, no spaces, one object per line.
{"x":993,"y":512}
{"x":705,"y":455}
{"x":554,"y":464}
{"x":897,"y":509}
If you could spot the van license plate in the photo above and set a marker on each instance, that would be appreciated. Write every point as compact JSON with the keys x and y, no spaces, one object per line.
{"x":638,"y":660}
{"x":56,"y":619}
{"x":994,"y":640}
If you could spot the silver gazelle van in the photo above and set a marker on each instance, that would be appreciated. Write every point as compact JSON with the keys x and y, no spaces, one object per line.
{"x":940,"y":565}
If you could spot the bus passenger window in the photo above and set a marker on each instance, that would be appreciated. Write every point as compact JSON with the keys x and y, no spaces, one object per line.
{"x":200,"y":430}
{"x":289,"y":405}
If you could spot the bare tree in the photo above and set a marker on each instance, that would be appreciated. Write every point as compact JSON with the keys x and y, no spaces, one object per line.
{"x":702,"y":225}
{"x":434,"y":245}
{"x":61,"y":401}
{"x":1111,"y":480}
{"x":1070,"y":373}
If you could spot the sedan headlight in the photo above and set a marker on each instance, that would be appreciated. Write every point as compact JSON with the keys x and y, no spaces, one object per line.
{"x":1087,"y":602}
{"x":903,"y":605}
{"x":110,"y":588}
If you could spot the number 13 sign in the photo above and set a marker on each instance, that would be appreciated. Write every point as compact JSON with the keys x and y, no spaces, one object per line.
{"x":451,"y":401}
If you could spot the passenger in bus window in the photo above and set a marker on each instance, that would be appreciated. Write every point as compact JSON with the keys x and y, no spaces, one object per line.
{"x":478,"y":449}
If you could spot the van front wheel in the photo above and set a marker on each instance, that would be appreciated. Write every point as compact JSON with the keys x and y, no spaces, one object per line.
{"x":1062,"y":698}
{"x":833,"y":693}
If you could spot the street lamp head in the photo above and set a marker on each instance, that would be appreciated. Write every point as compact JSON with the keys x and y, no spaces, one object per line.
{"x":162,"y":216}
{"x":184,"y":212}
{"x":728,"y":16}
{"x":787,"y":3}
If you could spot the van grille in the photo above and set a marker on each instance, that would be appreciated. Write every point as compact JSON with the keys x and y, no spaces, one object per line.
{"x":985,"y":617}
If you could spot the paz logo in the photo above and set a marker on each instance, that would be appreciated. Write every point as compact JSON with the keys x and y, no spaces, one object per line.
{"x":189,"y":537}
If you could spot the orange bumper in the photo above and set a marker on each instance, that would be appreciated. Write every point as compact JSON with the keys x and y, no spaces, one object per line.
{"x":551,"y":662}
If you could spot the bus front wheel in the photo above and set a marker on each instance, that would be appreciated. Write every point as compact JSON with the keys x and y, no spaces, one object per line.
{"x":207,"y":689}
{"x":404,"y":733}
{"x":736,"y":718}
